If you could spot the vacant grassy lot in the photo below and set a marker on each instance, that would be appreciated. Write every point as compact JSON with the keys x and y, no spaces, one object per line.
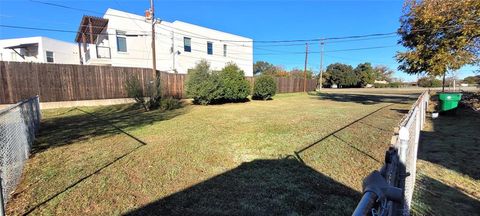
{"x":223,"y":159}
{"x":448,"y":166}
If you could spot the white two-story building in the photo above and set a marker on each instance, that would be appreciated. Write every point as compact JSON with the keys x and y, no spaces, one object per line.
{"x":124,"y":39}
{"x":40,"y":50}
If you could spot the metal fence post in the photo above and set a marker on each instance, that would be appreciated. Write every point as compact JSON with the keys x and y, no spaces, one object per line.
{"x":404,"y":136}
{"x":2,"y":201}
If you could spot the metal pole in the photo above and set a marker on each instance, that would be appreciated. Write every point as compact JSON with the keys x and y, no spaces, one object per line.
{"x":321,"y":64}
{"x":2,"y":203}
{"x":305,"y":69}
{"x":366,"y":204}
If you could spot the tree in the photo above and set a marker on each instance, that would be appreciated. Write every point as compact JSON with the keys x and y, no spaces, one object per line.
{"x":297,"y":73}
{"x":429,"y":81}
{"x":261,"y":67}
{"x":440,"y":36}
{"x":341,"y":74}
{"x":365,"y":74}
{"x":472,"y":79}
{"x":383,"y":73}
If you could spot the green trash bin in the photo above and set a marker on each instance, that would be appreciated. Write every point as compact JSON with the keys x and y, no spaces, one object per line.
{"x":449,"y":100}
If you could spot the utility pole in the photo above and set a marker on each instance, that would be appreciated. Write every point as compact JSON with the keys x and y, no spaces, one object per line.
{"x":156,"y":94}
{"x":321,"y":63}
{"x":154,"y":55}
{"x":305,"y":69}
{"x":173,"y":52}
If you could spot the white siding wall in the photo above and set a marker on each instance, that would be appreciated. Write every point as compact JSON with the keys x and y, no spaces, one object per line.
{"x":139,"y":49}
{"x":64,"y":52}
{"x":10,"y":55}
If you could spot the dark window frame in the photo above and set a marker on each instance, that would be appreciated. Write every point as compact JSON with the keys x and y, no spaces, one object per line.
{"x":209,"y":48}
{"x":224,"y":50}
{"x":187,"y":48}
{"x":121,"y":37}
{"x":52,"y":57}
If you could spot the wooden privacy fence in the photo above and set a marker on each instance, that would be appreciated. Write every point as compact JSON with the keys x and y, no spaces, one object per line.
{"x":63,"y":82}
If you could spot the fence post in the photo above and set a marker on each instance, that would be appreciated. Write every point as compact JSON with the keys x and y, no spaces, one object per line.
{"x":404,"y":136}
{"x":2,"y":201}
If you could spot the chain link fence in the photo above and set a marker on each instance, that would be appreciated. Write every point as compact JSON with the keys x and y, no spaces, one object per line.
{"x":407,"y":144}
{"x":390,"y":190}
{"x":18,"y":125}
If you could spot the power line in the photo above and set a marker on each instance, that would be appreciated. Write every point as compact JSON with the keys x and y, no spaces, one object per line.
{"x":341,"y":50}
{"x":81,"y":9}
{"x":62,"y":30}
{"x":257,"y":41}
{"x":207,"y":38}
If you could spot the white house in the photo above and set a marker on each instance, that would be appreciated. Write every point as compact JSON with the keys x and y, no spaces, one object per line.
{"x":39,"y":49}
{"x":124,"y":39}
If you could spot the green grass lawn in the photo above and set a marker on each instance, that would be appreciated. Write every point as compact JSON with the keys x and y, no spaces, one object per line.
{"x":222,"y":159}
{"x":448,"y":166}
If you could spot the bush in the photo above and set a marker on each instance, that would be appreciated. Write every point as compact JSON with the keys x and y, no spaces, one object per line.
{"x":429,"y":82}
{"x":264,"y":88}
{"x":395,"y":85}
{"x":380,"y":85}
{"x":203,"y":85}
{"x":207,"y":87}
{"x":170,"y":103}
{"x":235,"y":86}
{"x":134,"y":90}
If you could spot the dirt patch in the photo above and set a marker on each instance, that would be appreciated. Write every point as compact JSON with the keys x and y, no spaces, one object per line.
{"x":472,"y":100}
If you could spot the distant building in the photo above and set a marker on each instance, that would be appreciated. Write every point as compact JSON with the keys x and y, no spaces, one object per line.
{"x":124,"y":39}
{"x":39,"y":49}
{"x":381,"y":81}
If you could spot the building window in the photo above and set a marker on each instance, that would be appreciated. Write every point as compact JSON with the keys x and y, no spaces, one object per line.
{"x":209,"y":48}
{"x":50,"y":57}
{"x":187,"y":44}
{"x":224,"y":50}
{"x":121,"y":41}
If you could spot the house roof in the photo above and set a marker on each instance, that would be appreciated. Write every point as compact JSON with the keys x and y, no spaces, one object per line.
{"x":90,"y":27}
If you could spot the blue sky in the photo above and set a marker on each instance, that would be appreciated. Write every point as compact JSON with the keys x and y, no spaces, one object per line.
{"x":259,"y":20}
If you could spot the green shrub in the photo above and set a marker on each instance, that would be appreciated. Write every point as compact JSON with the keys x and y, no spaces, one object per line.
{"x":134,"y":90}
{"x":429,"y":82}
{"x":170,"y":103}
{"x":234,"y":85}
{"x":389,"y":85}
{"x":380,"y":85}
{"x":264,"y":88}
{"x":395,"y":85}
{"x":203,"y":85}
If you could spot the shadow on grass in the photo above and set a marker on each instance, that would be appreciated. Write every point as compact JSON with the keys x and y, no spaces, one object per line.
{"x":299,"y":151}
{"x":260,"y":187}
{"x":436,"y":198}
{"x":454,"y":142}
{"x":221,"y":101}
{"x":366,"y":98}
{"x":79,"y":124}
